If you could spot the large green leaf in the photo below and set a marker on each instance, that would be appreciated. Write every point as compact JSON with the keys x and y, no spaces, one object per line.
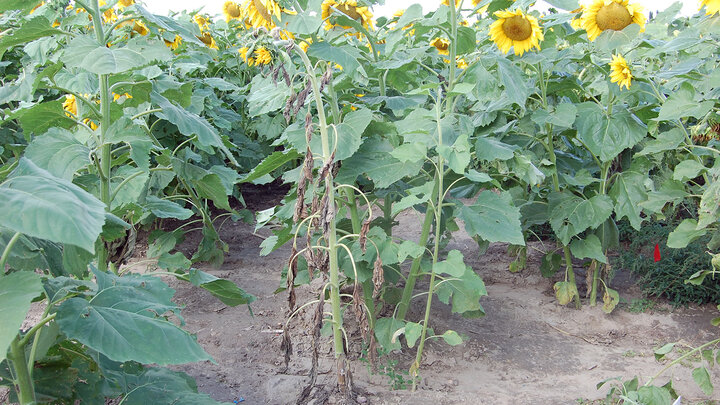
{"x":628,"y":191}
{"x":37,"y":27}
{"x":668,"y":140}
{"x":350,"y":132}
{"x":58,"y":152}
{"x":608,"y":135}
{"x":457,"y":156}
{"x":487,"y":148}
{"x":224,"y":290}
{"x":683,"y":103}
{"x":590,"y":247}
{"x":494,"y":218}
{"x":85,"y":53}
{"x":17,"y":291}
{"x":465,"y":292}
{"x":453,"y":265}
{"x":43,"y":116}
{"x":266,"y":95}
{"x":124,"y":335}
{"x":191,"y":124}
{"x":166,"y":209}
{"x":570,"y":214}
{"x":514,"y":81}
{"x":703,"y":380}
{"x":38,"y":204}
{"x":270,"y":163}
{"x":31,"y":254}
{"x":160,"y":386}
{"x":303,"y":23}
{"x":374,"y":159}
{"x":709,"y":204}
{"x":685,"y":233}
{"x":336,"y":54}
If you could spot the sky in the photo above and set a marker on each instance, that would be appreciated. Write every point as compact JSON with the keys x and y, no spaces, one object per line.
{"x":215,"y":6}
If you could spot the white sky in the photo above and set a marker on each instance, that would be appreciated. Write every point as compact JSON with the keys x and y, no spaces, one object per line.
{"x":215,"y":6}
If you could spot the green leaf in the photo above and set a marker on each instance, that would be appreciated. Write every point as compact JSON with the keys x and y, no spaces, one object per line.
{"x":452,"y":338}
{"x":303,"y":23}
{"x":224,"y":290}
{"x":270,"y":163}
{"x":325,"y":51}
{"x":385,"y":329}
{"x":173,"y":262}
{"x":512,"y":78}
{"x":457,"y":155}
{"x":38,"y":204}
{"x":466,"y":42}
{"x":85,"y":53}
{"x":685,"y":233}
{"x":465,"y":294}
{"x":212,"y":188}
{"x":160,"y":386}
{"x":709,"y":204}
{"x":570,"y":214}
{"x":702,"y":378}
{"x":550,"y":264}
{"x":687,"y":169}
{"x":682,"y":103}
{"x":661,"y":352}
{"x":409,"y":248}
{"x":39,"y":118}
{"x":350,"y":132}
{"x":166,"y":209}
{"x":699,"y":277}
{"x":191,"y":124}
{"x":494,"y":218}
{"x":124,"y":335}
{"x":650,"y":394}
{"x":266,"y":96}
{"x":374,"y":160}
{"x":665,"y":141}
{"x":37,"y":27}
{"x":608,"y":135}
{"x":17,"y":290}
{"x":489,"y":149}
{"x":410,"y":152}
{"x":412,"y":333}
{"x":628,"y":191}
{"x":565,"y":291}
{"x":564,"y":4}
{"x":453,"y":265}
{"x":58,"y":152}
{"x":590,"y":247}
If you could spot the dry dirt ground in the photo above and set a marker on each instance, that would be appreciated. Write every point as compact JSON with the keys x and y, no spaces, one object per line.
{"x":527,"y":350}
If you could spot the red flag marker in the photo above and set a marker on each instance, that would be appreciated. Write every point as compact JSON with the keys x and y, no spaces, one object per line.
{"x":657,"y":252}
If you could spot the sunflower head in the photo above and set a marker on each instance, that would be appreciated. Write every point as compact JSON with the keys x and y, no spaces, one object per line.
{"x":125,"y":3}
{"x":711,"y":6}
{"x":350,"y":9}
{"x":262,"y":56}
{"x":603,"y":15}
{"x":173,"y":44}
{"x":231,"y":11}
{"x":620,"y":72}
{"x":70,"y":105}
{"x":202,"y":22}
{"x":517,"y":30}
{"x":208,"y":40}
{"x":442,"y":45}
{"x":140,"y":27}
{"x":305,"y":44}
{"x":260,"y":13}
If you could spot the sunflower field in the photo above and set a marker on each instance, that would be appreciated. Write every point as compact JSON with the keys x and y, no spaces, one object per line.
{"x":486,"y":116}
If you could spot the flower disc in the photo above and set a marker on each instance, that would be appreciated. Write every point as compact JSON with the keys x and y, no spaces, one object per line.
{"x":613,"y":17}
{"x":517,"y":28}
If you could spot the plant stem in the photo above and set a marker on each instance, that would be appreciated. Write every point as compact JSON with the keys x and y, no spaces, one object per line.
{"x":415,"y":267}
{"x":596,"y":274}
{"x":24,"y":384}
{"x":6,"y":252}
{"x":681,"y":358}
{"x":570,"y":272}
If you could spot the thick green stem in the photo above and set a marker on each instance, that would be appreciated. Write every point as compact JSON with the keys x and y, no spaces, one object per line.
{"x":596,"y":274}
{"x":6,"y":252}
{"x":105,"y":148}
{"x":404,"y":304}
{"x":23,"y":383}
{"x":354,"y":214}
{"x":436,"y":250}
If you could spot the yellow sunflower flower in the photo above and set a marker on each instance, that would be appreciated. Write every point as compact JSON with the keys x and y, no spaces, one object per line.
{"x":447,"y":3}
{"x":577,"y":23}
{"x":442,"y":45}
{"x":262,"y":56}
{"x":615,"y":15}
{"x":305,"y":44}
{"x":232,"y":11}
{"x":140,"y":27}
{"x":243,"y":55}
{"x":109,"y":14}
{"x":175,"y":43}
{"x":350,"y":9}
{"x":208,"y":40}
{"x":202,"y":22}
{"x":711,"y":6}
{"x":620,"y":72}
{"x":517,"y":30}
{"x":261,"y":12}
{"x":116,"y":96}
{"x":125,"y":3}
{"x":70,"y":105}
{"x":461,"y":63}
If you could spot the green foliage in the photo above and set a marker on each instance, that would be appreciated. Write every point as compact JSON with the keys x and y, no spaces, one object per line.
{"x":666,"y":278}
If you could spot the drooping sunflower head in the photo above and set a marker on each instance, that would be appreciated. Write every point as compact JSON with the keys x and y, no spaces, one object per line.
{"x":602,"y":15}
{"x":305,"y":44}
{"x":70,"y":105}
{"x":442,"y":45}
{"x":140,"y":27}
{"x":174,"y":44}
{"x":208,"y":40}
{"x":620,"y":72}
{"x":350,"y":9}
{"x":202,"y":22}
{"x":262,"y":56}
{"x":231,"y":11}
{"x":517,"y":30}
{"x":711,"y":6}
{"x":260,"y":13}
{"x":125,"y":3}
